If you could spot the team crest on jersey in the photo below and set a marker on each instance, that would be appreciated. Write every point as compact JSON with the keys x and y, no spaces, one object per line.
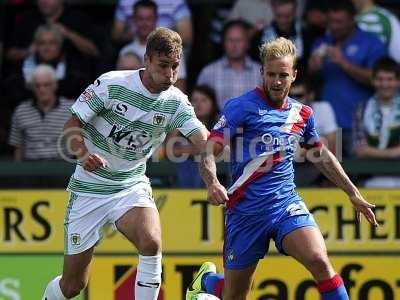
{"x":87,"y":95}
{"x":75,"y":239}
{"x":159,"y":119}
{"x":221,"y":123}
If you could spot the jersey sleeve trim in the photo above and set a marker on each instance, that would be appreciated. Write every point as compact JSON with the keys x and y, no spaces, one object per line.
{"x":192,"y":132}
{"x":76,"y":114}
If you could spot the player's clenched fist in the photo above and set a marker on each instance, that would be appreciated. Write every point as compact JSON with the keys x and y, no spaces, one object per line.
{"x":217,"y":194}
{"x":93,"y":161}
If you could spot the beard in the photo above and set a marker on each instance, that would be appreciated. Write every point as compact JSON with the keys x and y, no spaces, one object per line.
{"x":276,"y":96}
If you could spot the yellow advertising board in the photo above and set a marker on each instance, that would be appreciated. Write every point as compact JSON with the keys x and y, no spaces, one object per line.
{"x":32,"y":221}
{"x":277,"y":277}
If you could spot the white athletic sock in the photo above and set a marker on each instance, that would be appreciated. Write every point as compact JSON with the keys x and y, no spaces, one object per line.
{"x":53,"y":290}
{"x":148,"y":277}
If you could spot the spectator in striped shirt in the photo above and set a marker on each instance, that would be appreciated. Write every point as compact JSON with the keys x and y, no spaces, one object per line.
{"x":38,"y":123}
{"x":376,"y":128}
{"x":234,"y":73}
{"x":376,"y":19}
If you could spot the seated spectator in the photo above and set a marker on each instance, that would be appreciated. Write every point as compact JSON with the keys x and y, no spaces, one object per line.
{"x":38,"y":123}
{"x":377,"y":123}
{"x":129,"y":61}
{"x":145,"y":18}
{"x":75,"y":27}
{"x":235,"y":73}
{"x":206,"y":109}
{"x":376,"y":19}
{"x":345,"y":57}
{"x":47,"y":49}
{"x":173,"y":14}
{"x":305,"y":92}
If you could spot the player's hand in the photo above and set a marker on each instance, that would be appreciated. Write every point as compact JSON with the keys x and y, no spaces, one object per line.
{"x":363,"y":207}
{"x":217,"y":194}
{"x":92,"y":162}
{"x":336,"y":55}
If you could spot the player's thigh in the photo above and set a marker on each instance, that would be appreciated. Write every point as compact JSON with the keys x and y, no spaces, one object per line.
{"x":141,"y":226}
{"x":76,"y":268}
{"x":237,"y":283}
{"x":307,"y":246}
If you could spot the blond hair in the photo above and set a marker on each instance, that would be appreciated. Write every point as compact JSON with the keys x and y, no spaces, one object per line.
{"x":278,"y":48}
{"x":164,"y":41}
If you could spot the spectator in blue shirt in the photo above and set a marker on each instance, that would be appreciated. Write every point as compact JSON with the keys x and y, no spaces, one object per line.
{"x":345,"y":56}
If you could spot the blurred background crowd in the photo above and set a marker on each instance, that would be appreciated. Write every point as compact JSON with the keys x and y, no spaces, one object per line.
{"x":348,"y":55}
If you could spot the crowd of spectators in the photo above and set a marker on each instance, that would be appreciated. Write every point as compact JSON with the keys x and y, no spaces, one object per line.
{"x":348,"y":55}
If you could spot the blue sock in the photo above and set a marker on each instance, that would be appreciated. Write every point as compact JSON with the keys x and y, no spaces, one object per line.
{"x":333,"y":289}
{"x":211,"y":283}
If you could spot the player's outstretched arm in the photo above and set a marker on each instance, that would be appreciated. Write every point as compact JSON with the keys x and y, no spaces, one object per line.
{"x":328,"y":164}
{"x":208,"y":149}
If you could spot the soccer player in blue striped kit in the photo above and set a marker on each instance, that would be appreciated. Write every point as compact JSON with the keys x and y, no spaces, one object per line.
{"x":263,"y":128}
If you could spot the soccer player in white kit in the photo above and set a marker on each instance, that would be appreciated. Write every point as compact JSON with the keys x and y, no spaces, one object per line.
{"x":121,"y":118}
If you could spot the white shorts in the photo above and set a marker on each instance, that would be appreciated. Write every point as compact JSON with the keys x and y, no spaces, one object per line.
{"x":86,"y":216}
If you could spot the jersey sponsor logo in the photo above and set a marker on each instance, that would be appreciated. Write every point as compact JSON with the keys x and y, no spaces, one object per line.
{"x":159,"y":119}
{"x":120,"y":108}
{"x":221,"y":123}
{"x":130,"y":139}
{"x":279,"y":142}
{"x":87,"y":95}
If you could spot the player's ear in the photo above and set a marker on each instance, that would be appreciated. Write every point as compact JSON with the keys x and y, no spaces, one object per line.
{"x":146,"y":60}
{"x":294,"y":75}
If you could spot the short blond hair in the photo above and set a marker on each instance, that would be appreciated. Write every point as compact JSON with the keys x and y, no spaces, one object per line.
{"x":164,"y":41}
{"x":278,"y":48}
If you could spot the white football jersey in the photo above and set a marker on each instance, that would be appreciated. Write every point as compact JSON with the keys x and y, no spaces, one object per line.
{"x":125,"y":123}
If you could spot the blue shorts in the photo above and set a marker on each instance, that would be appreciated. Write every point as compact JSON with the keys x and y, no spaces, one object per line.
{"x":247,"y":236}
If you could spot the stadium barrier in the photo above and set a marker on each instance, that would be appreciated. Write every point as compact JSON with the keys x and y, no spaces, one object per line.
{"x":31,"y":247}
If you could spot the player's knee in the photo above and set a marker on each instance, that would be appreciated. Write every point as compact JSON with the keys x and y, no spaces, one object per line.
{"x":319,"y":263}
{"x":150,"y":246}
{"x":72,"y":288}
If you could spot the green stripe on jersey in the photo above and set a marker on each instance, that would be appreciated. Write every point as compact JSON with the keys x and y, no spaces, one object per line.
{"x":113,"y":118}
{"x":180,"y":119}
{"x":77,"y":186}
{"x":95,"y":104}
{"x":190,"y":133}
{"x":118,"y":92}
{"x":120,"y":176}
{"x":76,"y":114}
